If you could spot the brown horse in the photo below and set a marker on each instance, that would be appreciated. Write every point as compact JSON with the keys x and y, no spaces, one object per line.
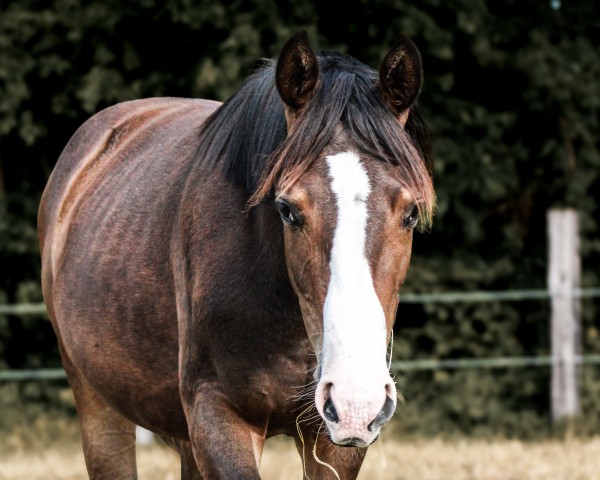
{"x":215,"y":273}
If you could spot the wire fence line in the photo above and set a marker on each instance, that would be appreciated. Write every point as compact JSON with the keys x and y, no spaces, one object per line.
{"x":34,"y":374}
{"x":22,"y":309}
{"x":492,"y":296}
{"x":408,"y":297}
{"x":399,"y":366}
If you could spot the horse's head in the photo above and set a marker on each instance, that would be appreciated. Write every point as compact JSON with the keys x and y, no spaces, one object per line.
{"x":348,"y":215}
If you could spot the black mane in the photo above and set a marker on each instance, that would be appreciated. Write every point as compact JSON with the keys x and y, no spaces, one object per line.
{"x":247,"y":135}
{"x":243,"y":132}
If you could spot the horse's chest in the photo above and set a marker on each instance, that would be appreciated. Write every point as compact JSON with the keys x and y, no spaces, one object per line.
{"x":272,"y":388}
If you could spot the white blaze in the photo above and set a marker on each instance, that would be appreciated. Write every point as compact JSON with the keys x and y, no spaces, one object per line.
{"x":354,"y":340}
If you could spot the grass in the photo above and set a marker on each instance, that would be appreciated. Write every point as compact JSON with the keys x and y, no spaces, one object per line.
{"x":571,"y":459}
{"x":41,"y":443}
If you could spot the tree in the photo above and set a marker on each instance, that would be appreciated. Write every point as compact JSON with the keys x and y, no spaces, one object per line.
{"x":512,"y":98}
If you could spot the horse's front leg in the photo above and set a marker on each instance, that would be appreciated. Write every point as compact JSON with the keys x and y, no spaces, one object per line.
{"x":225,"y":446}
{"x":328,"y":461}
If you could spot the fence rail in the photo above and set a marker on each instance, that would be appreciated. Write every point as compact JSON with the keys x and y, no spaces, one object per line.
{"x":35,"y":374}
{"x":396,"y":366}
{"x":408,"y":297}
{"x":494,"y":362}
{"x":20,"y":309}
{"x":492,"y":296}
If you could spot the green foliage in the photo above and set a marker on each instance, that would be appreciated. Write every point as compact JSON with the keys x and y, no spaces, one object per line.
{"x":512,"y":96}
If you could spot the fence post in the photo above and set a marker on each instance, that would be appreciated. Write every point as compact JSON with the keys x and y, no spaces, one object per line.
{"x":563,"y":281}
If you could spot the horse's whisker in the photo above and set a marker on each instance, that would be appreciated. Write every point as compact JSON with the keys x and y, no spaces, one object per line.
{"x":317,"y":459}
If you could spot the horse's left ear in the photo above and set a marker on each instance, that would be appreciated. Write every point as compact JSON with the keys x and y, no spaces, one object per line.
{"x":401,"y":77}
{"x":297,"y":71}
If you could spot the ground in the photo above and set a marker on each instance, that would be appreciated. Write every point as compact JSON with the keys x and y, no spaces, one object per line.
{"x":388,"y":459}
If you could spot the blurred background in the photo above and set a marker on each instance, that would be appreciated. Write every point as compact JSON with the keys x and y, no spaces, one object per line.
{"x":511,"y":95}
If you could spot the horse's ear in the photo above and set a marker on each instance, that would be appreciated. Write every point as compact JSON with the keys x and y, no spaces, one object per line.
{"x":297,"y":71}
{"x":401,"y":77}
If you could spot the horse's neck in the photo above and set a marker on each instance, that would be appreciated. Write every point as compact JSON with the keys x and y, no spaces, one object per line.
{"x":268,"y":240}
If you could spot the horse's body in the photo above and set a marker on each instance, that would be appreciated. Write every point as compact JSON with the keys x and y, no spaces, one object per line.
{"x":179,"y":309}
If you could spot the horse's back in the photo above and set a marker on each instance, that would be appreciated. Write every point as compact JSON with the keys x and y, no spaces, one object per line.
{"x":105,"y":225}
{"x":113,"y":133}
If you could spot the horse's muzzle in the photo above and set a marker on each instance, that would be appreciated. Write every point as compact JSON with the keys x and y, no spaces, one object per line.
{"x":354,"y":420}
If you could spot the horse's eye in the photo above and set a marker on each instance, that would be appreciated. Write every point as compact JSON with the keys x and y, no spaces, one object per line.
{"x":411,"y":216}
{"x":289,"y":213}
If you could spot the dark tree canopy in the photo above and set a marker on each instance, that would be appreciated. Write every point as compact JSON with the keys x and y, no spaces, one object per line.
{"x":511,"y":95}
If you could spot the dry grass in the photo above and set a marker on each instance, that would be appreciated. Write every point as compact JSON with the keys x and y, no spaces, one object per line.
{"x":66,"y":463}
{"x":418,"y":460}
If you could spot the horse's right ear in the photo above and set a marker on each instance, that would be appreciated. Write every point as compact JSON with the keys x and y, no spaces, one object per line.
{"x":297,"y":71}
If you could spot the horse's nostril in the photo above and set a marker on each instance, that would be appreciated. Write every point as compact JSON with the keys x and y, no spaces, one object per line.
{"x":317,"y":373}
{"x":383,"y":416}
{"x":329,"y":411}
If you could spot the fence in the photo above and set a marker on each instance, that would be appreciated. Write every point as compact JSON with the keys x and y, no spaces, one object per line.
{"x":563,"y":291}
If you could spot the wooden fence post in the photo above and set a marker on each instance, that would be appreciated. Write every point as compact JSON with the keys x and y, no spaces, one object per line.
{"x":563,"y":283}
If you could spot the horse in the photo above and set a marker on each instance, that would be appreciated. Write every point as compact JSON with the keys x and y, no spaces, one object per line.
{"x":223,"y":273}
